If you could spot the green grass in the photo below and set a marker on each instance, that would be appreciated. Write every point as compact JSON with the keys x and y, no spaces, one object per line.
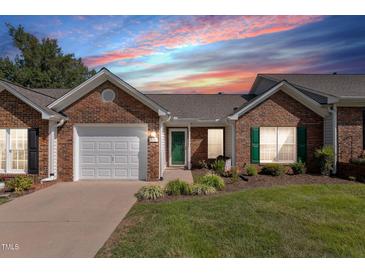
{"x":285,"y":221}
{"x":3,"y":200}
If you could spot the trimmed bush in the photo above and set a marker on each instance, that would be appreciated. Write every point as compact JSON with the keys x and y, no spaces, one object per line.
{"x":273,"y":169}
{"x":212,"y":180}
{"x":150,"y":192}
{"x":200,"y":189}
{"x":218,"y":166}
{"x":251,"y":170}
{"x":177,"y":187}
{"x":19,"y":184}
{"x":326,"y":158}
{"x":298,"y":167}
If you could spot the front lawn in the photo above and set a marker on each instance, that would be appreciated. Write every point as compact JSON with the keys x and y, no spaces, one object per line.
{"x":3,"y":200}
{"x":284,"y":221}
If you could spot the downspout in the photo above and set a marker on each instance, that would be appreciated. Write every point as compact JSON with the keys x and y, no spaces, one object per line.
{"x":51,"y":176}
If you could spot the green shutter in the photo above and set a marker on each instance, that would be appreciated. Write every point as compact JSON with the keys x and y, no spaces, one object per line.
{"x":302,"y":144}
{"x":255,"y":145}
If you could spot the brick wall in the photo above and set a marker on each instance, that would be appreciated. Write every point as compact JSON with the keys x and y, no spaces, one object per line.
{"x":15,"y":113}
{"x":91,"y":109}
{"x":199,"y":145}
{"x":280,"y":110}
{"x":350,"y":134}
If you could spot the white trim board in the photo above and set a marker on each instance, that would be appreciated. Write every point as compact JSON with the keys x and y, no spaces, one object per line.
{"x":95,"y":81}
{"x":289,"y":90}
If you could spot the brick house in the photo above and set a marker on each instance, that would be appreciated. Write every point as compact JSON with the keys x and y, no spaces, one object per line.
{"x":106,"y":129}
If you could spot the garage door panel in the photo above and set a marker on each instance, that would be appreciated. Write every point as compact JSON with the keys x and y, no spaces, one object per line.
{"x":104,"y":172}
{"x":109,"y":157}
{"x":88,"y":172}
{"x":88,"y":159}
{"x":134,"y":172}
{"x":121,"y":145}
{"x":121,"y":172}
{"x":87,"y":146}
{"x":121,"y":159}
{"x":105,"y":159}
{"x":133,"y":159}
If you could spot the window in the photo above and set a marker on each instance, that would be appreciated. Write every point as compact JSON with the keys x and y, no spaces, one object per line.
{"x":108,"y":95}
{"x":278,"y":144}
{"x":215,"y":143}
{"x":13,"y":150}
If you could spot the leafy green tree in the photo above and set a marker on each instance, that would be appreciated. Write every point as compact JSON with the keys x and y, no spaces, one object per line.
{"x":41,"y":63}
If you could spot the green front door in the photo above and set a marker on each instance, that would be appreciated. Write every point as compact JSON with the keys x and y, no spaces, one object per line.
{"x":178,"y":148}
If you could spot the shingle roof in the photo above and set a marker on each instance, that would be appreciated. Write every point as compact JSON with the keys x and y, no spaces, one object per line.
{"x":338,"y":85}
{"x":200,"y":106}
{"x":38,"y":99}
{"x":55,"y":93}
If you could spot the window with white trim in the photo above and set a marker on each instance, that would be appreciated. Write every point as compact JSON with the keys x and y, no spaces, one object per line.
{"x":215,"y":142}
{"x":13,"y":150}
{"x":278,"y":145}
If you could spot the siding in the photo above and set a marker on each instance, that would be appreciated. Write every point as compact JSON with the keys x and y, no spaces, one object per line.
{"x":328,"y":130}
{"x":163,"y":147}
{"x":228,"y":141}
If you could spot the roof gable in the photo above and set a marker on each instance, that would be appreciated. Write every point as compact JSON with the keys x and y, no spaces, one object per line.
{"x":288,"y":89}
{"x":33,"y":99}
{"x":102,"y":76}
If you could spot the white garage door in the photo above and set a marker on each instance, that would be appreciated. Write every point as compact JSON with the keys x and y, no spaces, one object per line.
{"x":109,"y":157}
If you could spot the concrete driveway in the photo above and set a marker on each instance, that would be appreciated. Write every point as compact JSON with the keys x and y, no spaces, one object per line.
{"x":64,"y":220}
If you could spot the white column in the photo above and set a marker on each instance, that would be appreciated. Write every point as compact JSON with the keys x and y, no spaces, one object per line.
{"x":233,"y":136}
{"x":189,"y":146}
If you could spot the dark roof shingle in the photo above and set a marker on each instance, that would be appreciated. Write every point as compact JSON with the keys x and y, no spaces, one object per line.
{"x":200,"y":106}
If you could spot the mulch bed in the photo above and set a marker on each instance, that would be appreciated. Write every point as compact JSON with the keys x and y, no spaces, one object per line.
{"x":35,"y":187}
{"x":258,"y":181}
{"x":267,"y":180}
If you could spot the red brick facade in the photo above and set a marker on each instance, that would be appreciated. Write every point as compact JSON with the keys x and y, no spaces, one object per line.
{"x":350,"y":133}
{"x":15,"y":113}
{"x":91,"y":109}
{"x":280,"y":110}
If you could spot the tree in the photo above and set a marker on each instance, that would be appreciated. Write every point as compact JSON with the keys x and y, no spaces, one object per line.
{"x":41,"y":63}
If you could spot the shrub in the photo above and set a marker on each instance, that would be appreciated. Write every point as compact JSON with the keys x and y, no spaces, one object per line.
{"x":326,"y":158}
{"x":251,"y":170}
{"x":19,"y":184}
{"x":177,"y":187}
{"x":212,"y":180}
{"x":203,"y":164}
{"x":272,"y":169}
{"x":150,"y":192}
{"x":235,"y":174}
{"x":298,"y":167}
{"x":218,"y":166}
{"x":200,"y":189}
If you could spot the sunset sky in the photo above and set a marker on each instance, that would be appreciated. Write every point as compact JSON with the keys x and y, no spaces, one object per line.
{"x":202,"y":54}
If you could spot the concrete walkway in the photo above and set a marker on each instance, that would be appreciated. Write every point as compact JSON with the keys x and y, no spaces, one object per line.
{"x":177,"y":173}
{"x":65,"y":220}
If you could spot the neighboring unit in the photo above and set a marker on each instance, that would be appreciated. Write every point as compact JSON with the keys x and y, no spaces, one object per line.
{"x":106,"y":129}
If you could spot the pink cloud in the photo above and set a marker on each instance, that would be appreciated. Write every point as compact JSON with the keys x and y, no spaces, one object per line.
{"x":201,"y":30}
{"x":116,"y":55}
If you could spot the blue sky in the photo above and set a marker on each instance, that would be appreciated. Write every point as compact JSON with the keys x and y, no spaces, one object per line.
{"x":203,"y":54}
